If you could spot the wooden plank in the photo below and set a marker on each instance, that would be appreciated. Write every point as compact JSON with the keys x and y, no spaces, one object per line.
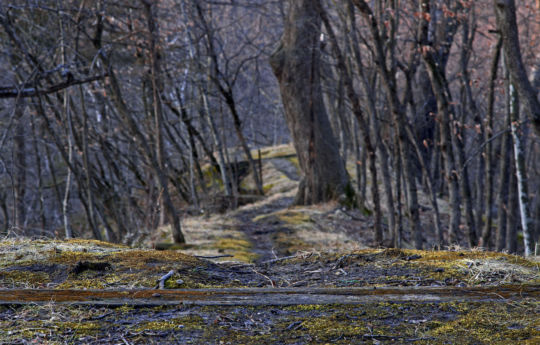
{"x":268,"y":296}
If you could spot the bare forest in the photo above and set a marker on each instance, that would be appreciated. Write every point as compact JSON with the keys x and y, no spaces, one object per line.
{"x":121,"y":117}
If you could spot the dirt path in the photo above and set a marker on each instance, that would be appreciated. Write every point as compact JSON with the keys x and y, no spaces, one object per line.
{"x":261,"y":235}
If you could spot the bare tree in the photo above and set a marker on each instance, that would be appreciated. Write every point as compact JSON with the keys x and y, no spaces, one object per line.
{"x":296,"y":65}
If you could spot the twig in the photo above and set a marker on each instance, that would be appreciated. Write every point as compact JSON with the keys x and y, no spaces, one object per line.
{"x":481,"y":147}
{"x":16,"y":91}
{"x":124,"y":340}
{"x":265,"y":276}
{"x":279,"y":259}
{"x":162,"y":280}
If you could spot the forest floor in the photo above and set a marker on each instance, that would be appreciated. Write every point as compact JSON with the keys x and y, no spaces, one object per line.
{"x":265,"y":273}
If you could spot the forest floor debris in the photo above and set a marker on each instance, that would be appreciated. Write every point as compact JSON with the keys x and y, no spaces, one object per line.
{"x":308,"y":317}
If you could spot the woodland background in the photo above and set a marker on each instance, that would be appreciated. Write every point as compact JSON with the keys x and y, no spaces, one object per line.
{"x":117,"y":117}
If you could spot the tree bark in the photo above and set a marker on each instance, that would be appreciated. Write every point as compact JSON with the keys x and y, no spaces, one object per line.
{"x":505,"y":13}
{"x":20,"y":169}
{"x":296,"y":64}
{"x":489,"y":146}
{"x":512,"y":219}
{"x":521,"y":173}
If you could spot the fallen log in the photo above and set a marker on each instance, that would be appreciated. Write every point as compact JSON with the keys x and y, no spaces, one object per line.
{"x":269,"y":296}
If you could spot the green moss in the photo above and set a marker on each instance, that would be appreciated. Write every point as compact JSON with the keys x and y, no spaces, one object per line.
{"x":292,"y":217}
{"x":289,"y":244}
{"x":268,"y":187}
{"x":233,"y":244}
{"x":11,"y":332}
{"x":93,"y":243}
{"x":494,"y":323}
{"x":80,"y":328}
{"x":85,"y":284}
{"x":307,"y":307}
{"x":241,"y":249}
{"x":294,"y":160}
{"x":335,"y":326}
{"x":133,"y":268}
{"x":281,"y":151}
{"x":26,"y":279}
{"x":191,"y":322}
{"x":263,"y":218}
{"x":212,"y":177}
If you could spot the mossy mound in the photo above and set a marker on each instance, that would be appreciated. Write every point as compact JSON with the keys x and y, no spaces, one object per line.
{"x":57,"y":264}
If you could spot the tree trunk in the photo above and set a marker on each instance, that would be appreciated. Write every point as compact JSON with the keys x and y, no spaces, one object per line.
{"x":521,"y":173}
{"x":296,"y":64}
{"x":512,"y":219}
{"x":504,"y":192}
{"x":505,"y":13}
{"x":398,"y":116}
{"x":362,"y":120}
{"x":157,"y":91}
{"x":20,"y":170}
{"x":446,"y":114}
{"x":489,"y":146}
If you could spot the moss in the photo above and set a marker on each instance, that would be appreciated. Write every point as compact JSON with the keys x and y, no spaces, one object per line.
{"x":80,"y":328}
{"x":85,"y":284}
{"x":427,"y":323}
{"x":241,"y":249}
{"x":12,"y":332}
{"x":26,"y":279}
{"x":70,"y":257}
{"x":94,"y":243}
{"x":295,"y":162}
{"x":191,"y":322}
{"x":308,"y":307}
{"x":494,"y":323}
{"x":289,"y":244}
{"x":294,"y":217}
{"x":263,"y":218}
{"x":268,"y":187}
{"x":280,"y":151}
{"x":334,"y":326}
{"x":133,"y":268}
{"x":233,"y":244}
{"x":148,"y":259}
{"x":125,"y":309}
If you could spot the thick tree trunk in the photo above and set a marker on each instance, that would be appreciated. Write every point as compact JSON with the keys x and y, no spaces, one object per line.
{"x":505,"y":12}
{"x":296,"y":65}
